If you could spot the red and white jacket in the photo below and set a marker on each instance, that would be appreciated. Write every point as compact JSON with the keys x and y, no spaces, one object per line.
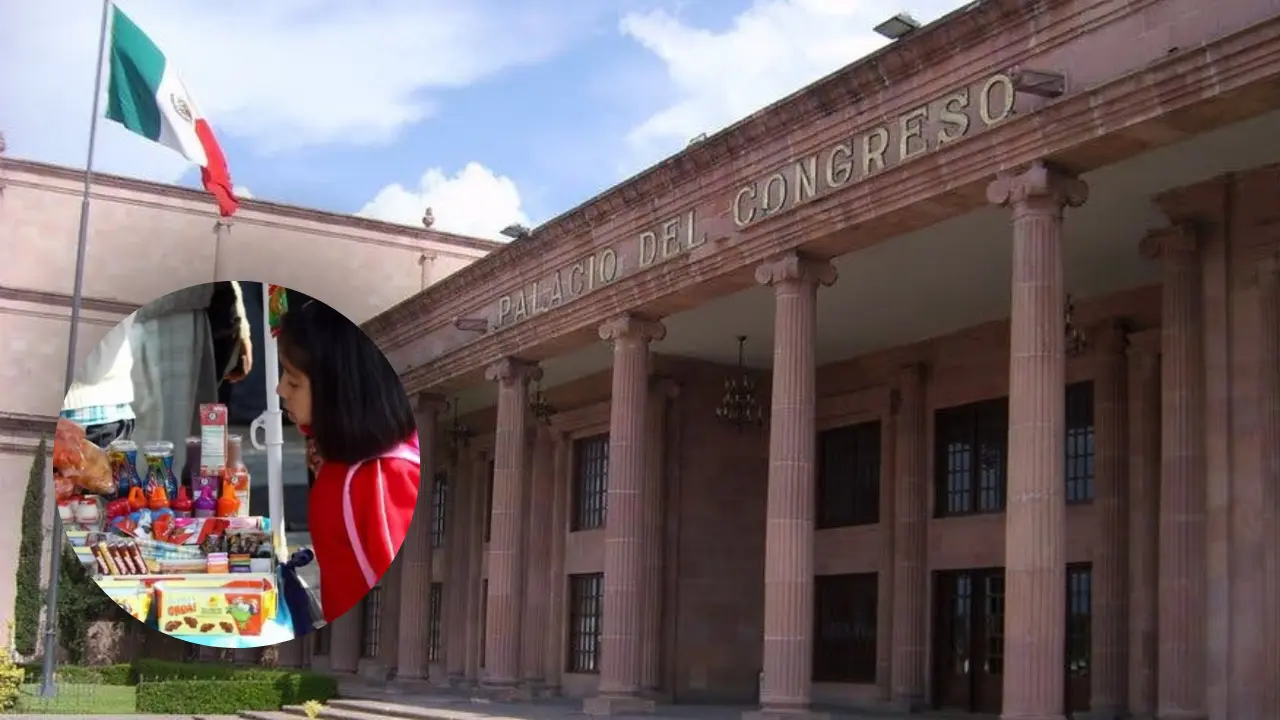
{"x":359,"y":515}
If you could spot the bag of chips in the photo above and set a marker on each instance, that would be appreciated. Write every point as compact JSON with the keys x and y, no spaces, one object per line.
{"x":76,"y":459}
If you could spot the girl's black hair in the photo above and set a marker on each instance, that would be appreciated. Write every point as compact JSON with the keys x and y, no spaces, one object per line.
{"x":358,"y":406}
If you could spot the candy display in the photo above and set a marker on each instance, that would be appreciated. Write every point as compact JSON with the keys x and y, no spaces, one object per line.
{"x":173,"y":546}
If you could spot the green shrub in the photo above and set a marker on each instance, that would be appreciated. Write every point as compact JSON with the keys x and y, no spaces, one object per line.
{"x":122,"y":674}
{"x":28,"y":597}
{"x":80,"y":603}
{"x":217,"y":696}
{"x":11,"y":677}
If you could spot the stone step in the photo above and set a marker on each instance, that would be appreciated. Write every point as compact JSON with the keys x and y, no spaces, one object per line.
{"x":267,"y":715}
{"x":336,"y":713}
{"x":446,"y":709}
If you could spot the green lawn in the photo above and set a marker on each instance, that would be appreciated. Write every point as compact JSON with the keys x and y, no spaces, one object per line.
{"x":79,"y":700}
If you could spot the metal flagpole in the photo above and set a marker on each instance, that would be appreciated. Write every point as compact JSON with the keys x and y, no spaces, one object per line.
{"x":47,"y":688}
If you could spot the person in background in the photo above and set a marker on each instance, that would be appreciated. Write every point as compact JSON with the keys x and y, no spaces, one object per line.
{"x":343,"y":394}
{"x":101,"y":396}
{"x":184,"y":345}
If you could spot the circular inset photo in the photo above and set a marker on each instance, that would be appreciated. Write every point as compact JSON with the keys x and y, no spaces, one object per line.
{"x":200,"y":444}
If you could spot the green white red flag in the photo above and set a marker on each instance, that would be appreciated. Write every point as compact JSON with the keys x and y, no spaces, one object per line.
{"x":146,"y":95}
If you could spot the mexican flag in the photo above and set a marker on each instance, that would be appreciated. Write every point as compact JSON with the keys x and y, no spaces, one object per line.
{"x":146,"y":95}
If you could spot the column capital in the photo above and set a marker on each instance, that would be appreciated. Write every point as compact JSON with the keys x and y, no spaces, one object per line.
{"x":664,"y":386}
{"x":513,"y":370}
{"x":1110,"y":338}
{"x":1177,"y":240}
{"x":1268,"y":266}
{"x":796,"y":268}
{"x":428,"y":402}
{"x":632,"y":326}
{"x":1039,"y":183}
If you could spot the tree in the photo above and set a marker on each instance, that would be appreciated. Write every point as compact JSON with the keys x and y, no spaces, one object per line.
{"x":29,"y":596}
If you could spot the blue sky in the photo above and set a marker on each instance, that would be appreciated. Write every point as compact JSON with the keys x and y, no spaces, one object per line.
{"x":489,"y":111}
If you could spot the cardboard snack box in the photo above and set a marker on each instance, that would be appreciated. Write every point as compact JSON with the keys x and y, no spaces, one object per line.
{"x":216,"y":612}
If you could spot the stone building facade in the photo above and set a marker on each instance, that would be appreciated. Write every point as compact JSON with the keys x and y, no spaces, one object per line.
{"x":146,"y":240}
{"x":1010,"y":302}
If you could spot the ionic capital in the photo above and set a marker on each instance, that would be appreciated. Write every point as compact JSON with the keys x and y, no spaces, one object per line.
{"x":793,"y":267}
{"x":631,"y":326}
{"x":428,"y":402}
{"x":1039,"y":185}
{"x":1145,"y":343}
{"x":1268,"y":267}
{"x":1179,"y":240}
{"x":1109,"y":338}
{"x":664,"y":387}
{"x":510,"y":371}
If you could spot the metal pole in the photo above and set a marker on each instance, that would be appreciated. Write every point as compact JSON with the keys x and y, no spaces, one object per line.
{"x":47,"y":687}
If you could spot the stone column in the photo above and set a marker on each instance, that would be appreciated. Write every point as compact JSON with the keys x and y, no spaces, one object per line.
{"x":475,"y":564}
{"x":1035,"y":556}
{"x":910,"y":542}
{"x":1181,"y":682}
{"x":1144,"y":520}
{"x":457,"y":545}
{"x":534,"y":649}
{"x":885,"y":579}
{"x":1109,"y":635}
{"x":390,"y":626}
{"x":624,"y":553}
{"x":415,"y":555}
{"x":788,"y":561}
{"x":505,"y":604}
{"x":344,"y":640}
{"x":557,"y":616}
{"x":653,"y":537}
{"x":1269,"y":446}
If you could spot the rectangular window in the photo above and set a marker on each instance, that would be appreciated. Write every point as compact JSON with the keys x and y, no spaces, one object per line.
{"x":844,"y":636}
{"x":1079,"y":619}
{"x":971,"y":450}
{"x":435,"y":606}
{"x":1079,"y":442}
{"x":849,"y":476}
{"x":439,"y":496}
{"x":488,"y":504}
{"x":590,"y":482}
{"x":371,"y":623}
{"x":586,"y":599}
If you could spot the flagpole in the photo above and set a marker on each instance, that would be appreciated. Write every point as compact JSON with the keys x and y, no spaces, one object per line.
{"x":47,"y":687}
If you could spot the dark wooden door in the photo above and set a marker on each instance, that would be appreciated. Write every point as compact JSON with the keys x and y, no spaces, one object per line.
{"x":969,"y":640}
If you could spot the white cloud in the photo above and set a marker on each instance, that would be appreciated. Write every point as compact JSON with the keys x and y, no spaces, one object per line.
{"x":283,"y":75}
{"x":770,"y":50}
{"x":242,"y":192}
{"x":476,"y":202}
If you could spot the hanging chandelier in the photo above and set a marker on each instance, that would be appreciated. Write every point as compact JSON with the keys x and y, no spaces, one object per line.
{"x":739,"y":406}
{"x":541,"y":409}
{"x":1076,"y":342}
{"x":459,"y":435}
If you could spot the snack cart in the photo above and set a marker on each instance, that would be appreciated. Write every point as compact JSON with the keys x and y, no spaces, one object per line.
{"x":182,"y":553}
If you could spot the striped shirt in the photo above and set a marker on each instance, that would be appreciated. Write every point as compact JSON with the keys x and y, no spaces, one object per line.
{"x":99,"y":414}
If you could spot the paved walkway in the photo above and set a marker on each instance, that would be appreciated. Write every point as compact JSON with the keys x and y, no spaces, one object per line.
{"x":136,"y":716}
{"x":446,"y":704}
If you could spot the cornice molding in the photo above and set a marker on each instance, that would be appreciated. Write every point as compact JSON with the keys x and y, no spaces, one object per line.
{"x":855,"y":86}
{"x":57,"y":299}
{"x":161,"y":193}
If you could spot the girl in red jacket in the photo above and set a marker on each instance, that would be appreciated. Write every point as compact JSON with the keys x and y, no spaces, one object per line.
{"x":342,"y":393}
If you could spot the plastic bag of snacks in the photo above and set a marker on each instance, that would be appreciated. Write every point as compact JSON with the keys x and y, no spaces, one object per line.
{"x":76,"y":459}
